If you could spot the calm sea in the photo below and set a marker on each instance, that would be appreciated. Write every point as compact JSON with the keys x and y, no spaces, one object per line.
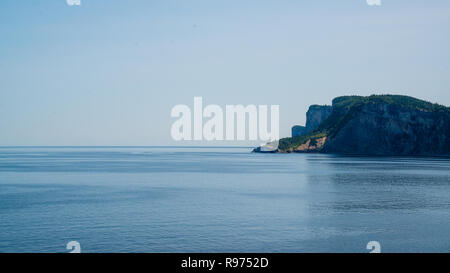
{"x":147,"y":199}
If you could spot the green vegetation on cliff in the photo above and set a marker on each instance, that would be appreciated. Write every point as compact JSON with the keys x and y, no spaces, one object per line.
{"x":291,"y":143}
{"x":404,"y":101}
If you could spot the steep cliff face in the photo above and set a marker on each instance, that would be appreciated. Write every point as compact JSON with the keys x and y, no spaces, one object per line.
{"x":389,"y":129}
{"x":316,"y":115}
{"x":375,"y":125}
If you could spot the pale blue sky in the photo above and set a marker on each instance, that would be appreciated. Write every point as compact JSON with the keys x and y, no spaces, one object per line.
{"x":108,"y":72}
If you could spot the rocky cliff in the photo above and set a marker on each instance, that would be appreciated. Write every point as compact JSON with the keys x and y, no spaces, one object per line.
{"x":314,"y":117}
{"x":378,"y":125}
{"x":390,"y":129}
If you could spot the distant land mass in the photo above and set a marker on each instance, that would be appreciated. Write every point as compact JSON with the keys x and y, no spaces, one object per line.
{"x":372,"y":125}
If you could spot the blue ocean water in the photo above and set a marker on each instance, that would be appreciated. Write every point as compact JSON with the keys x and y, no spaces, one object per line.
{"x":168,"y":199}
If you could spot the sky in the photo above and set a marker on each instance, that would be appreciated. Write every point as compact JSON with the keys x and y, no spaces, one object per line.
{"x":108,"y":72}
